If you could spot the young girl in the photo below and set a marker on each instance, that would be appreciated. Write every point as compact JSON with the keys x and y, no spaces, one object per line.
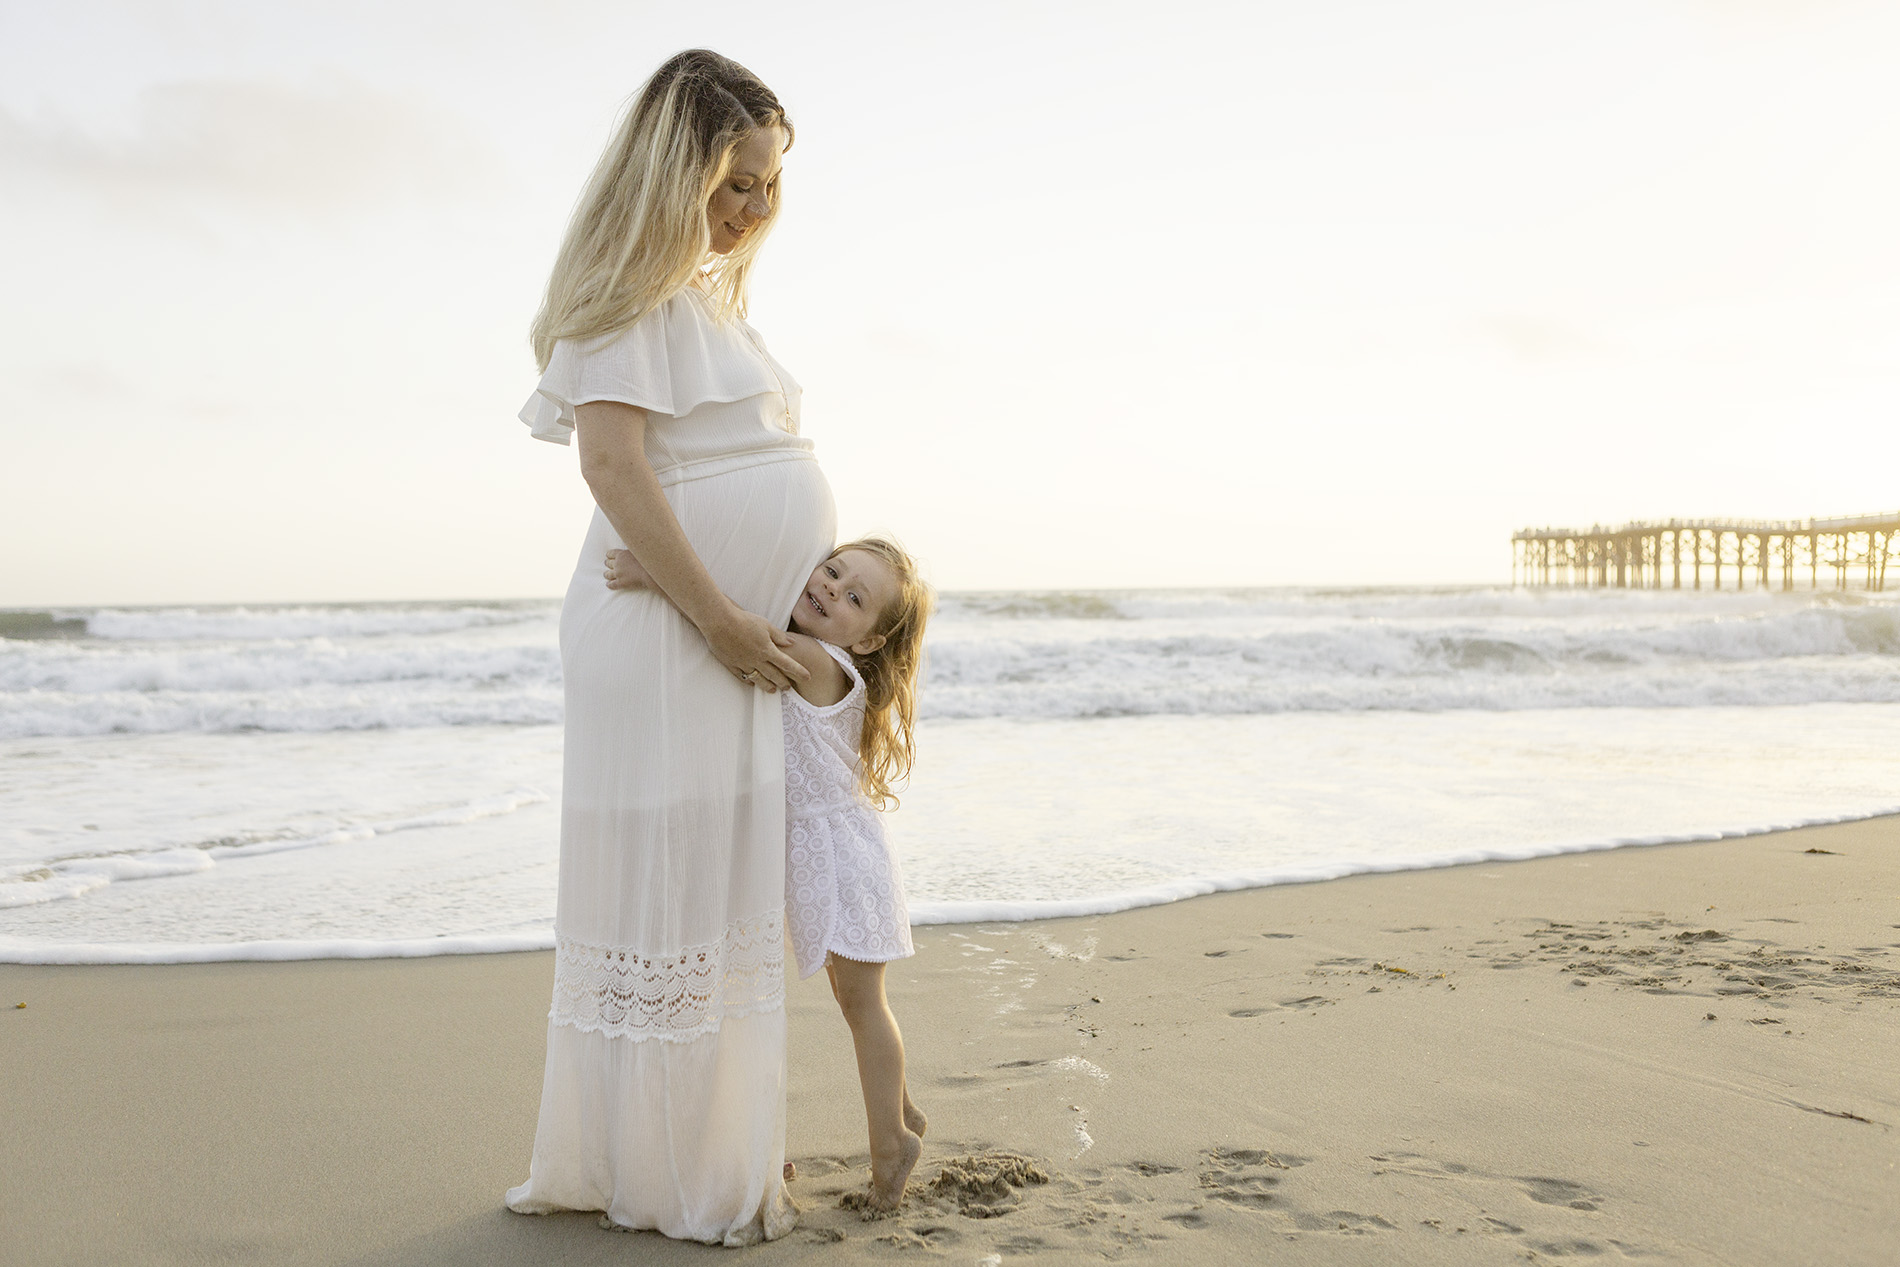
{"x":859,"y":632}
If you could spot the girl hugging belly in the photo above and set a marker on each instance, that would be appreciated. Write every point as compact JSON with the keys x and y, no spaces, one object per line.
{"x":858,"y":631}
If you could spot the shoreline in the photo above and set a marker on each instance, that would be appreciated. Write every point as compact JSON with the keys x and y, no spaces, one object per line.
{"x":1460,"y":1065}
{"x":924,"y":913}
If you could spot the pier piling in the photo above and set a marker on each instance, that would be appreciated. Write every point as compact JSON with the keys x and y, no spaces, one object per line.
{"x":1855,"y":548}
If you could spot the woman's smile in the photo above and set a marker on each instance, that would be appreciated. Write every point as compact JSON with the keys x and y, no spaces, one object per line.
{"x":740,"y":202}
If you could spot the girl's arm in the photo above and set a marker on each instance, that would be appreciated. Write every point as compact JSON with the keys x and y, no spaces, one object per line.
{"x":612,"y":439}
{"x":827,"y":683}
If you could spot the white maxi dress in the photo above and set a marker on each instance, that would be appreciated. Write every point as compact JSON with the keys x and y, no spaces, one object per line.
{"x":843,"y":889}
{"x":663,"y":1100}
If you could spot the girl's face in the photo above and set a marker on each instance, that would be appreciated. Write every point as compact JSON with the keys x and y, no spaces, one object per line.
{"x":844,"y":600}
{"x":746,"y":195}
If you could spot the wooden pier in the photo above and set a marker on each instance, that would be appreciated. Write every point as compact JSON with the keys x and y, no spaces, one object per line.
{"x":1852,"y":553}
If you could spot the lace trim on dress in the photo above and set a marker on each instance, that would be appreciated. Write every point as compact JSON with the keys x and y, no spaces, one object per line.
{"x":619,"y":992}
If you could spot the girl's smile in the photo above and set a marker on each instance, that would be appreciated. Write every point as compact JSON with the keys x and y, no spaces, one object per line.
{"x":844,"y":600}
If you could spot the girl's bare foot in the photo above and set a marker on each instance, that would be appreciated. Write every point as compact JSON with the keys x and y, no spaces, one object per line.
{"x":914,"y":1119}
{"x":889,"y":1178}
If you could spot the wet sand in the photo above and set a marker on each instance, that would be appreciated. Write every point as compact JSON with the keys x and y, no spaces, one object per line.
{"x":1679,"y":1054}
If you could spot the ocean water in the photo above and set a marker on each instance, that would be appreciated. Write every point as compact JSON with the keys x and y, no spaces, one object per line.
{"x":384,"y":779}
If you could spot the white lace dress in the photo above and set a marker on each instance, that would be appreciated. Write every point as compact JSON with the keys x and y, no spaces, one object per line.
{"x":843,"y":891}
{"x":663,"y":1101}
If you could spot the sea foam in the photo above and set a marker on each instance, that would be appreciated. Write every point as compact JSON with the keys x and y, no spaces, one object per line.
{"x":57,"y":879}
{"x":922,"y":913}
{"x":1006,"y":911}
{"x":1063,"y":655}
{"x":284,"y":782}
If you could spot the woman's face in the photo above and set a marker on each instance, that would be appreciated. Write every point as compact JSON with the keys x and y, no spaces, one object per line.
{"x":745,"y":197}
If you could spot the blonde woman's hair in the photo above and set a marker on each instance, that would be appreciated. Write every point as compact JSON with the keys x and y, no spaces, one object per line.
{"x":639,"y":234}
{"x":887,"y":744}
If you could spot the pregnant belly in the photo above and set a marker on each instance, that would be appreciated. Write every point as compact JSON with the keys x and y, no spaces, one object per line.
{"x":759,"y":530}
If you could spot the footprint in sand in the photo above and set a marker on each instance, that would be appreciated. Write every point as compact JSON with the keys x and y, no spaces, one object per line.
{"x":1086,"y":1214}
{"x":1509,"y":1205}
{"x":1351,"y":1222}
{"x":1560,"y":1192}
{"x":1249,"y":1178}
{"x":1696,"y":960}
{"x":920,"y":1238}
{"x":1241,"y":1176}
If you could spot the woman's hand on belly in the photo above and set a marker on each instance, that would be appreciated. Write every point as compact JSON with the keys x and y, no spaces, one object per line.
{"x":612,"y":442}
{"x":754,"y":651}
{"x":770,"y":674}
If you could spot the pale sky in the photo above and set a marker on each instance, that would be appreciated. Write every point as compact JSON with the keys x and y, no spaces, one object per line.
{"x":1088,"y":294}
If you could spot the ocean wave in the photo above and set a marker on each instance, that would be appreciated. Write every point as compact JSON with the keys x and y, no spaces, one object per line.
{"x":1397,"y":603}
{"x":1050,"y":655}
{"x":35,"y":625}
{"x":1071,"y":693}
{"x":226,"y":624}
{"x":1846,"y":654}
{"x":51,"y":713}
{"x":275,"y":666}
{"x":320,"y":684}
{"x":1376,"y":648}
{"x":1215,"y":694}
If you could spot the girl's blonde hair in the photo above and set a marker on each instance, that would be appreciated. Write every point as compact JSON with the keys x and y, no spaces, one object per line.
{"x":887,"y":744}
{"x":639,"y":235}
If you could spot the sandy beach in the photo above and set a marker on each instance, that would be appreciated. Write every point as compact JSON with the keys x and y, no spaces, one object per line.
{"x":1681,"y":1054}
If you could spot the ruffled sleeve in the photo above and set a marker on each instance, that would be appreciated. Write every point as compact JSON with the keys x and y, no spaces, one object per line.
{"x":674,"y":358}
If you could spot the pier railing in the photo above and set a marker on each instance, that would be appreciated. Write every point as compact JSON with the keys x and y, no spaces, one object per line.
{"x":1852,"y":551}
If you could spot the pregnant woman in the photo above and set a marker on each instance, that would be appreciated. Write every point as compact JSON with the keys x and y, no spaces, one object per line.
{"x":663,"y":1102}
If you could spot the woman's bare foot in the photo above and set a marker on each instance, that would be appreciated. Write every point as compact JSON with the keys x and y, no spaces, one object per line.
{"x":889,"y":1178}
{"x":914,"y":1120}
